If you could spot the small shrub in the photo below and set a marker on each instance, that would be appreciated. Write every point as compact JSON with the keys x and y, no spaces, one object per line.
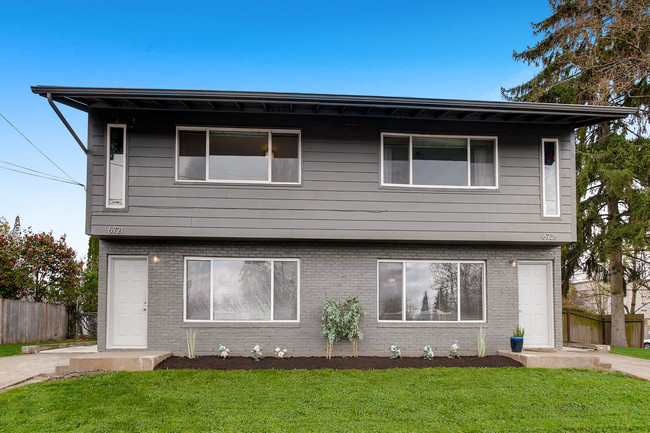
{"x":224,"y":352}
{"x":280,"y":353}
{"x":481,"y":346}
{"x":427,"y":353}
{"x":191,"y":343}
{"x":331,"y":318}
{"x":350,"y":323}
{"x":395,"y":351}
{"x":257,"y":352}
{"x":519,"y":332}
{"x":454,"y":351}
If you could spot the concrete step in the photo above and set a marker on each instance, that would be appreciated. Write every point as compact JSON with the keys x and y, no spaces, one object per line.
{"x":113,"y":361}
{"x":551,"y":360}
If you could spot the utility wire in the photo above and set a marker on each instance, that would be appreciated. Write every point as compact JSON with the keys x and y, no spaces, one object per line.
{"x":31,"y":169}
{"x":44,"y":177}
{"x":36,"y":147}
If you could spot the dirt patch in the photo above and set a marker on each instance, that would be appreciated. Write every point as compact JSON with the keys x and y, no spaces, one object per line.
{"x":315,"y":363}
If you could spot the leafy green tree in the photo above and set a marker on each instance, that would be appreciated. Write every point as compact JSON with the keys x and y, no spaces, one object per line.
{"x":88,"y":289}
{"x":53,"y":269}
{"x":598,"y":52}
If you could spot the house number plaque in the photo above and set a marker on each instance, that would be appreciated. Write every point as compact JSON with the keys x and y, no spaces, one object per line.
{"x":549,"y":237}
{"x":116,"y":230}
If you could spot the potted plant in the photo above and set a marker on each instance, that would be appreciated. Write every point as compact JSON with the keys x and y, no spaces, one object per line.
{"x":517,"y":340}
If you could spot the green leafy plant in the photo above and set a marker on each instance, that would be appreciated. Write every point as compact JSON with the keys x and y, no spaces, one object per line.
{"x":519,"y":332}
{"x":395,"y":351}
{"x":257,"y":352}
{"x":454,"y":351}
{"x":331,"y":318}
{"x":224,"y":352}
{"x":353,"y":313}
{"x":191,"y":343}
{"x":427,"y":353}
{"x":481,"y":346}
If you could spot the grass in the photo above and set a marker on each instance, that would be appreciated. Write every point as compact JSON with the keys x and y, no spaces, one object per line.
{"x":397,"y":400}
{"x":633,"y":352}
{"x":14,"y":349}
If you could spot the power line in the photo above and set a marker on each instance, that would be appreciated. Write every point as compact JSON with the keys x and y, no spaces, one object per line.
{"x":31,"y":169}
{"x":36,"y":147}
{"x":56,"y":179}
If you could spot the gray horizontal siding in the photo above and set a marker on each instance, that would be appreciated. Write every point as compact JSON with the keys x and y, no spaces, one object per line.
{"x":340,"y":196}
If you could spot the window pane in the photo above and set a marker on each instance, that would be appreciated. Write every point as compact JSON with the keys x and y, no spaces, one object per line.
{"x":198,"y":289}
{"x":439,"y":161}
{"x":471,"y":291}
{"x":550,"y":178}
{"x":431,"y":291}
{"x":242,"y":290}
{"x":284,"y":166}
{"x":116,"y":167}
{"x":191,"y":155}
{"x":285,"y":291}
{"x":239,"y":156}
{"x":390,"y":291}
{"x":482,"y":162}
{"x":396,"y":160}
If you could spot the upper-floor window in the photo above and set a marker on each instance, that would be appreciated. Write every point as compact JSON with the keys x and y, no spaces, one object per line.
{"x":551,"y":177}
{"x":115,"y":165}
{"x":439,"y":161}
{"x":237,"y":155}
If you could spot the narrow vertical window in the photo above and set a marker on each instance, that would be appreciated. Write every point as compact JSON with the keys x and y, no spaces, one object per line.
{"x":116,"y":166}
{"x":551,"y":177}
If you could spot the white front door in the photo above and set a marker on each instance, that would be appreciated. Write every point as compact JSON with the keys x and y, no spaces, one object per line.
{"x":127,"y":303}
{"x":536,"y":303}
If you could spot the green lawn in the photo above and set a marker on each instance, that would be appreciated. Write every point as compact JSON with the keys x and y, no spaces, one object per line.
{"x":630,"y":351}
{"x":442,"y":399}
{"x":14,"y":349}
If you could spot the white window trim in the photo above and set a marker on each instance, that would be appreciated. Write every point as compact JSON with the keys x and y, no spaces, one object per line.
{"x":469,"y":173}
{"x":556,"y":143}
{"x":207,"y":179}
{"x":458,"y":262}
{"x":255,"y":259}
{"x":108,"y":157}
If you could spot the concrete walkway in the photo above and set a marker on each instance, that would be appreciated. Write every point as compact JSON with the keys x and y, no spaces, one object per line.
{"x":22,"y":369}
{"x":577,"y":358}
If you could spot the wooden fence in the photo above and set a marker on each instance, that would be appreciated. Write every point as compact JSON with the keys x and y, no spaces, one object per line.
{"x":587,"y":328}
{"x":31,"y":322}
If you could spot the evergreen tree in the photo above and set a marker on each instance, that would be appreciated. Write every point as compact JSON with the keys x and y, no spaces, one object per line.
{"x":598,"y":52}
{"x":16,"y":232}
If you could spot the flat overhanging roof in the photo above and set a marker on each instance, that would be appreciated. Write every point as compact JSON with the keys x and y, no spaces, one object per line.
{"x":86,"y":98}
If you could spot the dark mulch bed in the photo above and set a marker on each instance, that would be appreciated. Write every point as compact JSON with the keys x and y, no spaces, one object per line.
{"x":315,"y":363}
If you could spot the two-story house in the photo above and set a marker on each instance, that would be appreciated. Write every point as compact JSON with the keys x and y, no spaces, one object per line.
{"x":238,"y":213}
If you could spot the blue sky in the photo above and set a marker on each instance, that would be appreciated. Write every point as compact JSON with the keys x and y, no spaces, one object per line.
{"x":460,"y":49}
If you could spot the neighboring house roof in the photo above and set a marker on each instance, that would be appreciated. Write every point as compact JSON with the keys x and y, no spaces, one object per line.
{"x":85,"y":98}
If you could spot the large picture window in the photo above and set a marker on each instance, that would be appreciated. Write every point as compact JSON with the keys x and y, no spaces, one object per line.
{"x":242,"y":289}
{"x":431,"y":291}
{"x":238,"y":156}
{"x":115,"y":166}
{"x":439,"y":161}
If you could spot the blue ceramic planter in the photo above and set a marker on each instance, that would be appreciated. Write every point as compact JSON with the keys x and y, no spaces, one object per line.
{"x":516,"y":344}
